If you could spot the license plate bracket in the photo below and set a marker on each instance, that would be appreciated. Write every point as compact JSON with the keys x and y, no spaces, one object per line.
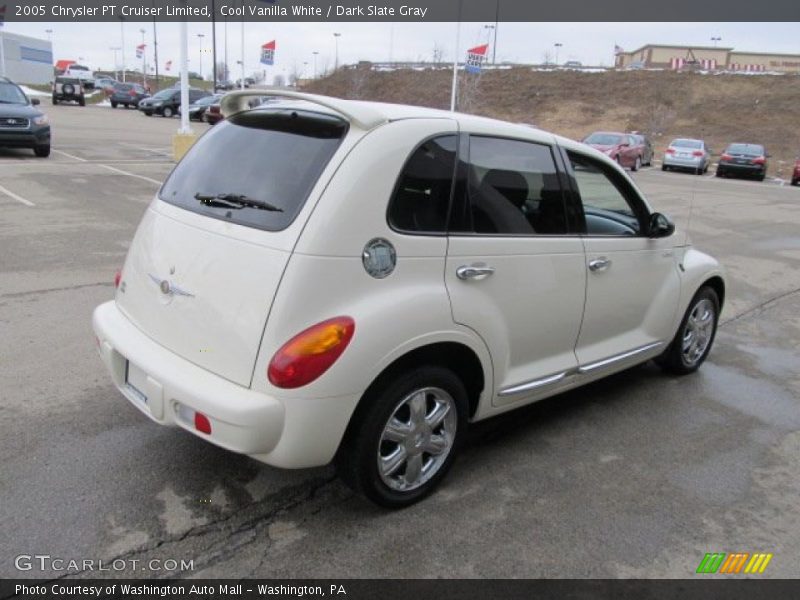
{"x":136,"y":382}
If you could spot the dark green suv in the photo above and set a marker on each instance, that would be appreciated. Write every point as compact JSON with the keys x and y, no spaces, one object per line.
{"x":22,"y":124}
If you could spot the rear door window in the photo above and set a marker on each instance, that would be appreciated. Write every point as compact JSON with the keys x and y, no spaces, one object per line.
{"x":270,"y":157}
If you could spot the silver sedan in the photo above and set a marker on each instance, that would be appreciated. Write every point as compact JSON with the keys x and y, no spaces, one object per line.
{"x":689,"y":154}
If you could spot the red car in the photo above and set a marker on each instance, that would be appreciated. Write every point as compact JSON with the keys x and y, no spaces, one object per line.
{"x":625,"y":148}
{"x":796,"y":173}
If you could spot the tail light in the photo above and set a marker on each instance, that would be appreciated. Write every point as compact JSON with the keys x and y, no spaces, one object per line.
{"x":697,"y":153}
{"x":310,"y":353}
{"x":726,"y":157}
{"x":759,"y":161}
{"x":670,"y":150}
{"x":117,"y":278}
{"x":133,"y":92}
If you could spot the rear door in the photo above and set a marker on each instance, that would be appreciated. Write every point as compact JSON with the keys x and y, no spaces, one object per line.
{"x":515,"y":271}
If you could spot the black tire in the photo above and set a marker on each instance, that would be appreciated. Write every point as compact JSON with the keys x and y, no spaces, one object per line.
{"x":637,"y":164}
{"x":82,"y":101}
{"x":664,"y":167}
{"x":113,"y":105}
{"x":698,"y":171}
{"x":42,"y":151}
{"x":795,"y":181}
{"x":167,"y":112}
{"x":719,"y":173}
{"x":357,"y":458}
{"x":673,"y":359}
{"x":147,"y":113}
{"x":55,"y":100}
{"x":762,"y":177}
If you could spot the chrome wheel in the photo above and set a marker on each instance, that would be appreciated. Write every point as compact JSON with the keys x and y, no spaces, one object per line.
{"x":417,"y":439}
{"x":698,"y":332}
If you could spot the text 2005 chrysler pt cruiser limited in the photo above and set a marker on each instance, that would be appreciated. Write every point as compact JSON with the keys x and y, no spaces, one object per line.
{"x":321,"y":279}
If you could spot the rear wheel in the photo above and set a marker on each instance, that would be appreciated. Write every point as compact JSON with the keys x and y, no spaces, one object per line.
{"x":113,"y":105}
{"x":692,"y":343}
{"x":637,"y":164}
{"x":795,"y":181}
{"x":664,"y":167}
{"x":82,"y":101}
{"x":404,"y":436}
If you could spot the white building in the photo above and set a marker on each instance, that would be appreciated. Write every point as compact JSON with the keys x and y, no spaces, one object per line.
{"x":25,"y":59}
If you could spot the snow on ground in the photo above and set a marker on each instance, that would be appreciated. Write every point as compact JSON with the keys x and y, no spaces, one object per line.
{"x":31,"y":92}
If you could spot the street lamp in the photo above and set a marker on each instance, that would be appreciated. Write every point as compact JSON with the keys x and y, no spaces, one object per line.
{"x":336,"y":37}
{"x":144,"y":61}
{"x":315,"y":63}
{"x":122,"y":46}
{"x":492,"y":28}
{"x":49,"y":33}
{"x":557,"y":45}
{"x":115,"y":49}
{"x":715,"y":40}
{"x":201,"y":36}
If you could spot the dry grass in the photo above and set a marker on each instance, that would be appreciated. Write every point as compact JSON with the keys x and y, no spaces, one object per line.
{"x":664,"y":104}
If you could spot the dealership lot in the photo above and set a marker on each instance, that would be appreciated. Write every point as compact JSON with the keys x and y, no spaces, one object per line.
{"x":639,"y":475}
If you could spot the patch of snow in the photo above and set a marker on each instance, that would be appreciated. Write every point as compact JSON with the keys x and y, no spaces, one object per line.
{"x":30,"y":92}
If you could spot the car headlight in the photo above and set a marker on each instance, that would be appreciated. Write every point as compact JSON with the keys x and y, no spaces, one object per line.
{"x":41,"y":120}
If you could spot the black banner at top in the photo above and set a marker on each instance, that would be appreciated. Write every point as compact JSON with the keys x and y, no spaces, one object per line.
{"x":400,"y":10}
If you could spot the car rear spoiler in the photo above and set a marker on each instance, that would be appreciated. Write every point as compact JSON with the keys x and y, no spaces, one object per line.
{"x":357,"y":113}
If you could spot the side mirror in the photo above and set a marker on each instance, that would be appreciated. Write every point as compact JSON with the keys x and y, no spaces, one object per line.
{"x":35,"y":101}
{"x":661,"y":226}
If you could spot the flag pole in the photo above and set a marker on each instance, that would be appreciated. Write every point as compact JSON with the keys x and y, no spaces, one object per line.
{"x":454,"y":89}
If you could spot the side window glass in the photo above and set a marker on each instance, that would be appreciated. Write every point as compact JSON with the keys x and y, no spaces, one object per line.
{"x":605,"y":207}
{"x":422,"y":196}
{"x":514,"y":188}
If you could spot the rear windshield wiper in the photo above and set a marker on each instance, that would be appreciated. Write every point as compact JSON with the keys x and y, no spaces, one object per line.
{"x":235,"y":201}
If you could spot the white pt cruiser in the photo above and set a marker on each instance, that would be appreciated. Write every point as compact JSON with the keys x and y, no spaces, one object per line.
{"x":328,"y":280}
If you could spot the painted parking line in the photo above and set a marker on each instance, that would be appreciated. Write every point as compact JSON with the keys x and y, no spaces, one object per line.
{"x":121,"y":172}
{"x":62,"y":153}
{"x":11,"y":194}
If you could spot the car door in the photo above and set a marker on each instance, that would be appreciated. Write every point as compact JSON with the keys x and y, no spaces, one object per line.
{"x":515,"y":269}
{"x":632,"y":281}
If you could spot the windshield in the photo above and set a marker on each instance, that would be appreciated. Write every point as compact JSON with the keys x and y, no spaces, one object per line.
{"x":750,"y":149}
{"x":207,"y":100}
{"x":163,"y":94}
{"x":11,"y":94}
{"x":686,"y":143}
{"x":256,"y":158}
{"x":603,"y":139}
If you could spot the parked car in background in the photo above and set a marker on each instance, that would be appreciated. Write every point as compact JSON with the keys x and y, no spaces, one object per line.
{"x":749,"y":160}
{"x":365,"y":273}
{"x":81,"y":72}
{"x":198,"y":108}
{"x":68,"y":89}
{"x":106,"y":84}
{"x":687,"y":154}
{"x":213,"y":114}
{"x":621,"y":147}
{"x":573,"y":64}
{"x":127,"y":95}
{"x":796,"y":172}
{"x":166,"y":102}
{"x":647,"y":148}
{"x":22,"y":123}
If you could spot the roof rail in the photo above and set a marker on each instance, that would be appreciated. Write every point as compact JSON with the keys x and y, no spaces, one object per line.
{"x":358,"y":114}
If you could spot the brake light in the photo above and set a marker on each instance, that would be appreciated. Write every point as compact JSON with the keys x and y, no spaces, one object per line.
{"x":759,"y":161}
{"x":670,"y":150}
{"x":697,"y":153}
{"x":117,"y":278}
{"x":201,"y":423}
{"x":310,"y":353}
{"x":133,"y":92}
{"x":726,"y":157}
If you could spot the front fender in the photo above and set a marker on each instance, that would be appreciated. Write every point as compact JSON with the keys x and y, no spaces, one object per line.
{"x":695,"y":268}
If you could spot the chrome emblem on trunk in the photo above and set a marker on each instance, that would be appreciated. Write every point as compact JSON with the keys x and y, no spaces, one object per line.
{"x":168,"y":288}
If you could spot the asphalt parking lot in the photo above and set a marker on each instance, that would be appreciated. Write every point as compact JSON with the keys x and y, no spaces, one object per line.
{"x":636,"y":476}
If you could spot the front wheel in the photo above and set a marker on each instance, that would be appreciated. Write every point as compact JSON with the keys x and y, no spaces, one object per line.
{"x":167,"y":112}
{"x":113,"y":105}
{"x":404,"y":436}
{"x":42,"y":151}
{"x":692,"y":343}
{"x":637,"y":164}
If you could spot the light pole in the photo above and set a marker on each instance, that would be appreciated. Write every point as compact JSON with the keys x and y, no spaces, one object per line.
{"x":492,"y":28}
{"x":201,"y":36}
{"x":557,"y":45}
{"x":49,"y":33}
{"x":144,"y":60}
{"x":115,"y":49}
{"x":122,"y":35}
{"x":315,"y":63}
{"x":715,"y":40}
{"x":336,"y":37}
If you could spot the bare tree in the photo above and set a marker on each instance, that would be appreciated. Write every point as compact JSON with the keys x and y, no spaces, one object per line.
{"x":439,"y":53}
{"x":547,"y":57}
{"x":278,"y":80}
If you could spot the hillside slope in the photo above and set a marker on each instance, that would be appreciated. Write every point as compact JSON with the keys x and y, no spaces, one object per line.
{"x":664,"y":104}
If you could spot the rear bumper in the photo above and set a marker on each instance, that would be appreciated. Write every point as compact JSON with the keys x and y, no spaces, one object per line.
{"x":689,"y":162}
{"x":741,"y":169}
{"x":285,"y":433}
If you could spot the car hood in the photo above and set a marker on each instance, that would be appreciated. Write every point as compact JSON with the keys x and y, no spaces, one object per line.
{"x":19,"y":110}
{"x":603,"y":147}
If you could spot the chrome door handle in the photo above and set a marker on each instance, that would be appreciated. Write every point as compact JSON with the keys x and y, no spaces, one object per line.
{"x":474,"y":271}
{"x":599,"y":264}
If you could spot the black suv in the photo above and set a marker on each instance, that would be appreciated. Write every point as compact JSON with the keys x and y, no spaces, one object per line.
{"x":68,"y":88}
{"x":166,"y":102}
{"x":22,"y":125}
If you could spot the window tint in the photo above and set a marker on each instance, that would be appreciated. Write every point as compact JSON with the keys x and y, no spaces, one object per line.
{"x":513,"y":188}
{"x":274,"y":157}
{"x":606,"y":210}
{"x":422,"y":196}
{"x":686,"y":143}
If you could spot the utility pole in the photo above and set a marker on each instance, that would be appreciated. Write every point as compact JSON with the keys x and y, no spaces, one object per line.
{"x":116,"y":64}
{"x":122,"y":34}
{"x":155,"y":45}
{"x":336,"y":37}
{"x":200,"y":37}
{"x":315,"y":63}
{"x":557,"y":45}
{"x":214,"y":43}
{"x":144,"y":61}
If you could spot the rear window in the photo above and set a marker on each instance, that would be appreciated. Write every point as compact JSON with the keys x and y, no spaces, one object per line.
{"x":752,"y":149}
{"x":270,"y":157}
{"x":686,"y":144}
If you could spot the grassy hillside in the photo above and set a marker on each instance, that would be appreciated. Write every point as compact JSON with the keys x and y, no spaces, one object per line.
{"x":664,"y":104}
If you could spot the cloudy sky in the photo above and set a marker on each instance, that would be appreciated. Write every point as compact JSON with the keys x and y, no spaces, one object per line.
{"x":590,"y":43}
